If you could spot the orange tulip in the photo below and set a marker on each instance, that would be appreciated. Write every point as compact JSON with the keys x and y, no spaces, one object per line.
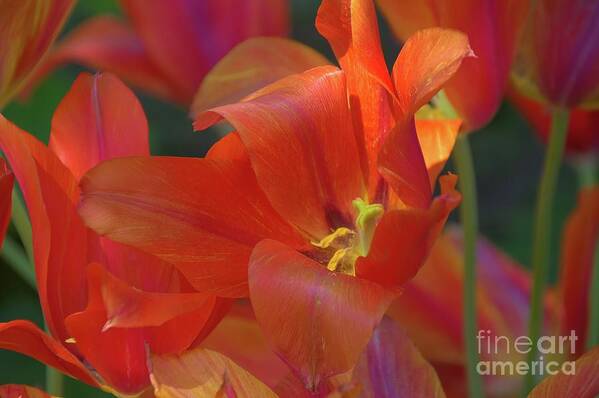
{"x":317,"y":208}
{"x":166,"y":48}
{"x":27,"y":29}
{"x":102,"y":318}
{"x":493,"y":27}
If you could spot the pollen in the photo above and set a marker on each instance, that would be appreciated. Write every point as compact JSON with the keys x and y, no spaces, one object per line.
{"x":345,"y":245}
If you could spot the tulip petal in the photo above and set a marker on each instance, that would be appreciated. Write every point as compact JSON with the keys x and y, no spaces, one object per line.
{"x":436,"y":137}
{"x":185,"y":38}
{"x":28,"y":29}
{"x":26,"y":338}
{"x":351,"y":28}
{"x":127,"y":307}
{"x":21,"y":391}
{"x":477,"y":89}
{"x":583,"y":384}
{"x":401,"y":163}
{"x":578,"y":248}
{"x":98,"y":119}
{"x":318,"y":321}
{"x":202,"y":215}
{"x":251,"y":65}
{"x":60,"y":240}
{"x":203,"y":373}
{"x":118,"y":355}
{"x":299,"y":138}
{"x":239,"y":337}
{"x":6,"y":184}
{"x":391,"y":366}
{"x":105,"y":43}
{"x":404,"y":237}
{"x":426,"y":62}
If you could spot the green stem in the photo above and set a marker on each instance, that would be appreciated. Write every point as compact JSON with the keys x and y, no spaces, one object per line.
{"x":469,"y":219}
{"x":20,"y":220}
{"x":593,"y":333}
{"x":54,"y":382}
{"x":16,"y":258}
{"x":542,"y":230}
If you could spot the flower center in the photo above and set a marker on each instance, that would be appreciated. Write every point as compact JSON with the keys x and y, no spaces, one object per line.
{"x":345,"y":245}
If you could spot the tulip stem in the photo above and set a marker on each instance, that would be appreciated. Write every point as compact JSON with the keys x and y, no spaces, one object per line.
{"x":15,"y":257}
{"x":469,"y":220}
{"x":20,"y":220}
{"x":593,"y":333}
{"x":54,"y":382}
{"x":542,"y":231}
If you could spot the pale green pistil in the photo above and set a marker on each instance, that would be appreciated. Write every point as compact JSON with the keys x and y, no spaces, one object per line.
{"x":350,"y":244}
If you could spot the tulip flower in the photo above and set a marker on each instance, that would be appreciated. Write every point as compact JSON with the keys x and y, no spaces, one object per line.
{"x":582,"y":136}
{"x":493,"y":27}
{"x":28,"y":29}
{"x":559,"y":55}
{"x":166,"y":48}
{"x":320,"y":209}
{"x":19,"y":391}
{"x":105,"y":304}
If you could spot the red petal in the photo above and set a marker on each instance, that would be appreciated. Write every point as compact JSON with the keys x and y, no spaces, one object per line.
{"x":60,"y":239}
{"x":28,"y":29}
{"x":404,"y":237}
{"x":477,"y":89}
{"x":127,"y":307}
{"x":317,"y":320}
{"x":583,"y":384}
{"x":426,"y":62}
{"x":401,"y":163}
{"x":186,"y":38}
{"x":21,"y":391}
{"x":6,"y":184}
{"x":204,"y":373}
{"x":105,"y":43}
{"x":118,"y":355}
{"x":351,"y":28}
{"x":239,"y":337}
{"x":578,"y":248}
{"x":26,"y":338}
{"x":98,"y":119}
{"x":202,"y":215}
{"x":299,"y":138}
{"x":251,"y":65}
{"x":391,"y":366}
{"x":436,"y":138}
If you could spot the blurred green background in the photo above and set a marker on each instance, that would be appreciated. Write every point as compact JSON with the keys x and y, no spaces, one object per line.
{"x":507,"y":157}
